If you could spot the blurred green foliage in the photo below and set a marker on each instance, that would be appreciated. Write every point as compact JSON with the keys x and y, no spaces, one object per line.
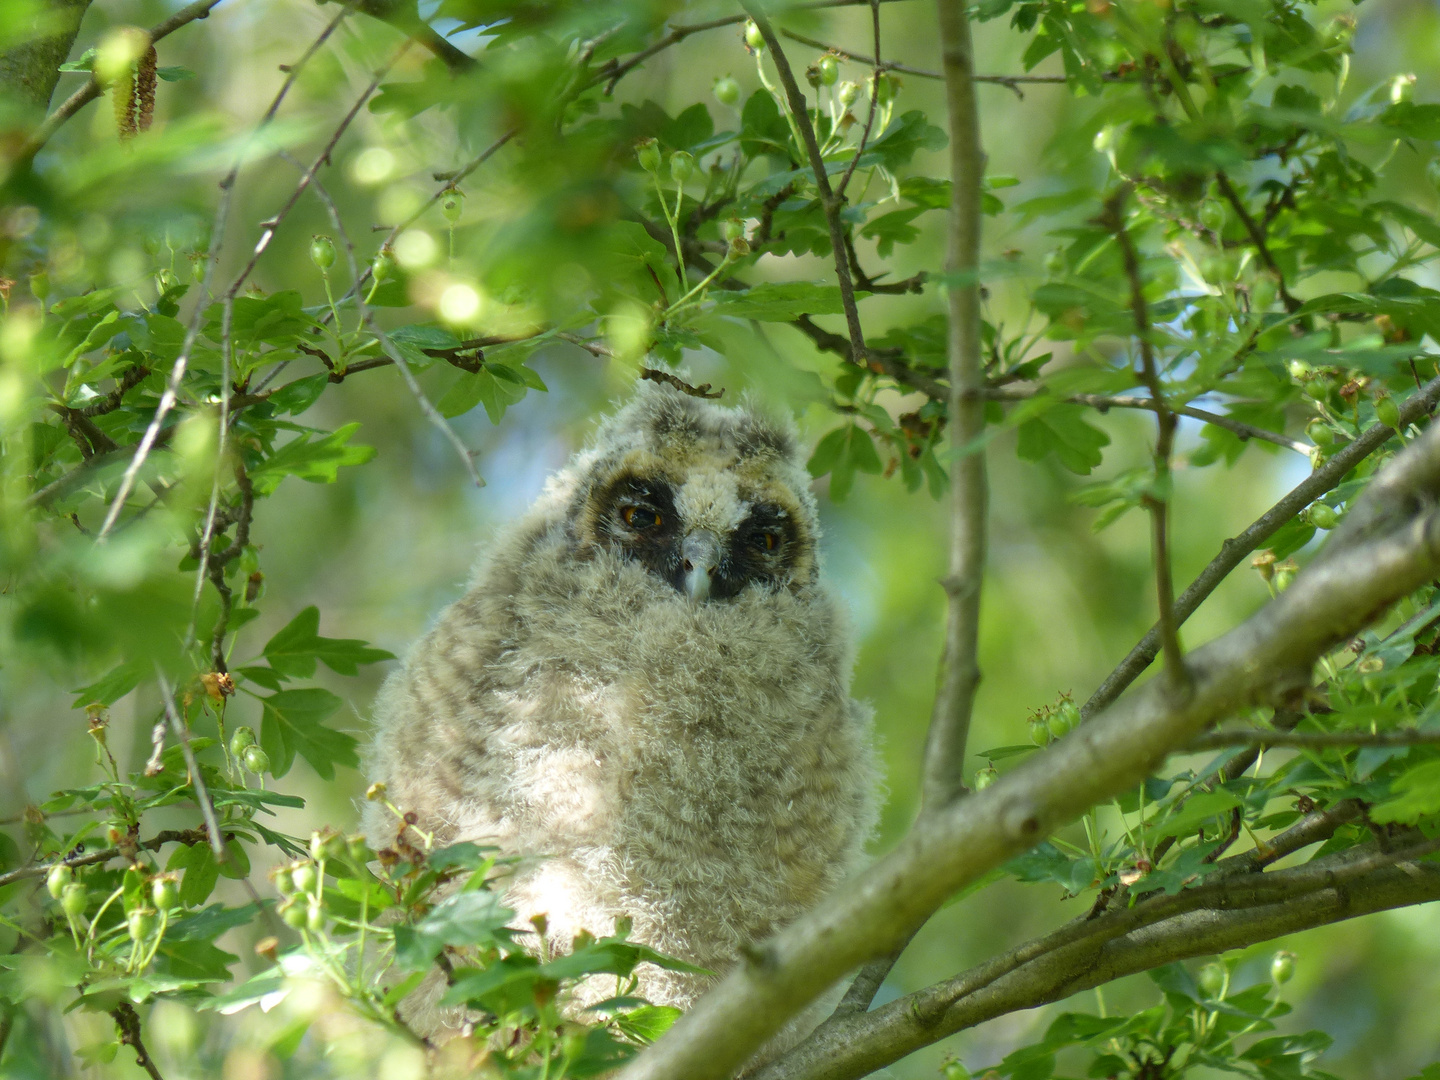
{"x":501,"y":222}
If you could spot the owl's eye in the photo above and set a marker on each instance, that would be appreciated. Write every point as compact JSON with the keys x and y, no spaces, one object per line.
{"x":768,"y":540}
{"x":638,"y":517}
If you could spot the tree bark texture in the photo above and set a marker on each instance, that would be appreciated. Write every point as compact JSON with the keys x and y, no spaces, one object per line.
{"x":30,"y":70}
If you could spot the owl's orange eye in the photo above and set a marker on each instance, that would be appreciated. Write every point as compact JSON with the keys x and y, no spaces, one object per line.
{"x":771,"y":541}
{"x":637,"y":517}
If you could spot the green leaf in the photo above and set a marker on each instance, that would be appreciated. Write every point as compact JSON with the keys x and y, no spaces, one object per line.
{"x":1062,"y":431}
{"x":293,"y":650}
{"x":781,"y":301}
{"x":1415,"y":794}
{"x":484,"y":387}
{"x":315,"y":460}
{"x":647,"y":1023}
{"x":291,"y":724}
{"x":174,"y":73}
{"x":295,"y":397}
{"x":201,"y":873}
{"x":899,"y":142}
{"x":841,"y":453}
{"x":476,"y":917}
{"x":110,"y":687}
{"x":762,"y":129}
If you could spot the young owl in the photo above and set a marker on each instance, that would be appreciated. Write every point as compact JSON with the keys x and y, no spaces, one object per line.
{"x":647,"y":688}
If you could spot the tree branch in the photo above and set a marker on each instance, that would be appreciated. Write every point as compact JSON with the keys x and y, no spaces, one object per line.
{"x":969,"y":495}
{"x":127,"y":1022}
{"x":829,"y":202}
{"x":1312,"y":740}
{"x":1105,"y":402}
{"x":1272,"y":653}
{"x":1157,"y":500}
{"x":90,"y":858}
{"x":1257,"y":237}
{"x":1200,"y":921}
{"x":1323,"y":479}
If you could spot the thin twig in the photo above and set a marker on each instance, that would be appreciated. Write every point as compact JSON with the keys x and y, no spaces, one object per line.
{"x":207,"y":534}
{"x":828,"y":200}
{"x":1104,"y":402}
{"x":1323,"y":479}
{"x":1157,"y":500}
{"x":127,"y":1022}
{"x":1257,"y":237}
{"x":177,"y":371}
{"x":450,"y":185}
{"x":869,"y":115}
{"x":1214,"y":740}
{"x":92,"y":89}
{"x":202,"y":794}
{"x":90,"y":858}
{"x":969,"y":494}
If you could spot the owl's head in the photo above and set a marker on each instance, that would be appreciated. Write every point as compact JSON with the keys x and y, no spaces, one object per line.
{"x":709,"y":499}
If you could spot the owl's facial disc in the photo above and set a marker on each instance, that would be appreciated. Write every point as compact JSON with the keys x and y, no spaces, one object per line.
{"x":640,"y":518}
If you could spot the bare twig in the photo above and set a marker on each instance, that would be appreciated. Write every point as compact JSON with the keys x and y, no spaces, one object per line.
{"x":1157,"y":500}
{"x":1312,"y":740}
{"x":1271,"y":653}
{"x":127,"y":1022}
{"x":870,"y":114}
{"x":701,"y":391}
{"x":90,"y":858}
{"x":207,"y":534}
{"x":1323,"y":479}
{"x":92,"y":89}
{"x":829,"y":202}
{"x":197,"y":780}
{"x":1104,"y":402}
{"x":177,"y":370}
{"x":969,"y":495}
{"x":1257,"y":237}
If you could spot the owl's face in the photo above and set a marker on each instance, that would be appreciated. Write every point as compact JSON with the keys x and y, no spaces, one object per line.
{"x":708,"y":500}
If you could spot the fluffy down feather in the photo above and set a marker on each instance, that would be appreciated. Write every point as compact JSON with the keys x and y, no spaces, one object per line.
{"x":699,"y":768}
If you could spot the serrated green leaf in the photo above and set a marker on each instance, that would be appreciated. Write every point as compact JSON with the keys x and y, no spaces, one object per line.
{"x":292,"y":723}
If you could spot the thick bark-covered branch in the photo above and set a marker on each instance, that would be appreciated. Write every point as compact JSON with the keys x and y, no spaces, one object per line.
{"x":1393,"y":548}
{"x":31,"y":69}
{"x":1213,"y":918}
{"x":969,"y":495}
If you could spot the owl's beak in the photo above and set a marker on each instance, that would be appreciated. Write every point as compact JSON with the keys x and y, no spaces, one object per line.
{"x":701,"y":554}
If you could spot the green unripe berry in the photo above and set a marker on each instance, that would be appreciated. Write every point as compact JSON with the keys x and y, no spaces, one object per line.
{"x":293,"y":914}
{"x":165,"y":893}
{"x":985,"y":777}
{"x":1063,"y":720}
{"x":1212,"y":215}
{"x":242,"y":740}
{"x":166,"y":280}
{"x":1322,"y":516}
{"x":732,"y":229}
{"x":1039,"y":731}
{"x":1212,"y":979}
{"x":726,"y":91}
{"x":322,"y":252}
{"x":647,"y":152}
{"x":358,"y":851}
{"x":140,"y":923}
{"x":1320,"y":433}
{"x":848,"y":93}
{"x":73,"y":900}
{"x":885,"y":88}
{"x":315,"y":917}
{"x":753,"y":37}
{"x":739,"y":248}
{"x":453,"y":205}
{"x":383,"y":268}
{"x":1387,"y":412}
{"x":1282,"y":967}
{"x":1055,"y":263}
{"x":60,"y":876}
{"x":256,"y":760}
{"x":681,"y":166}
{"x":829,"y":70}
